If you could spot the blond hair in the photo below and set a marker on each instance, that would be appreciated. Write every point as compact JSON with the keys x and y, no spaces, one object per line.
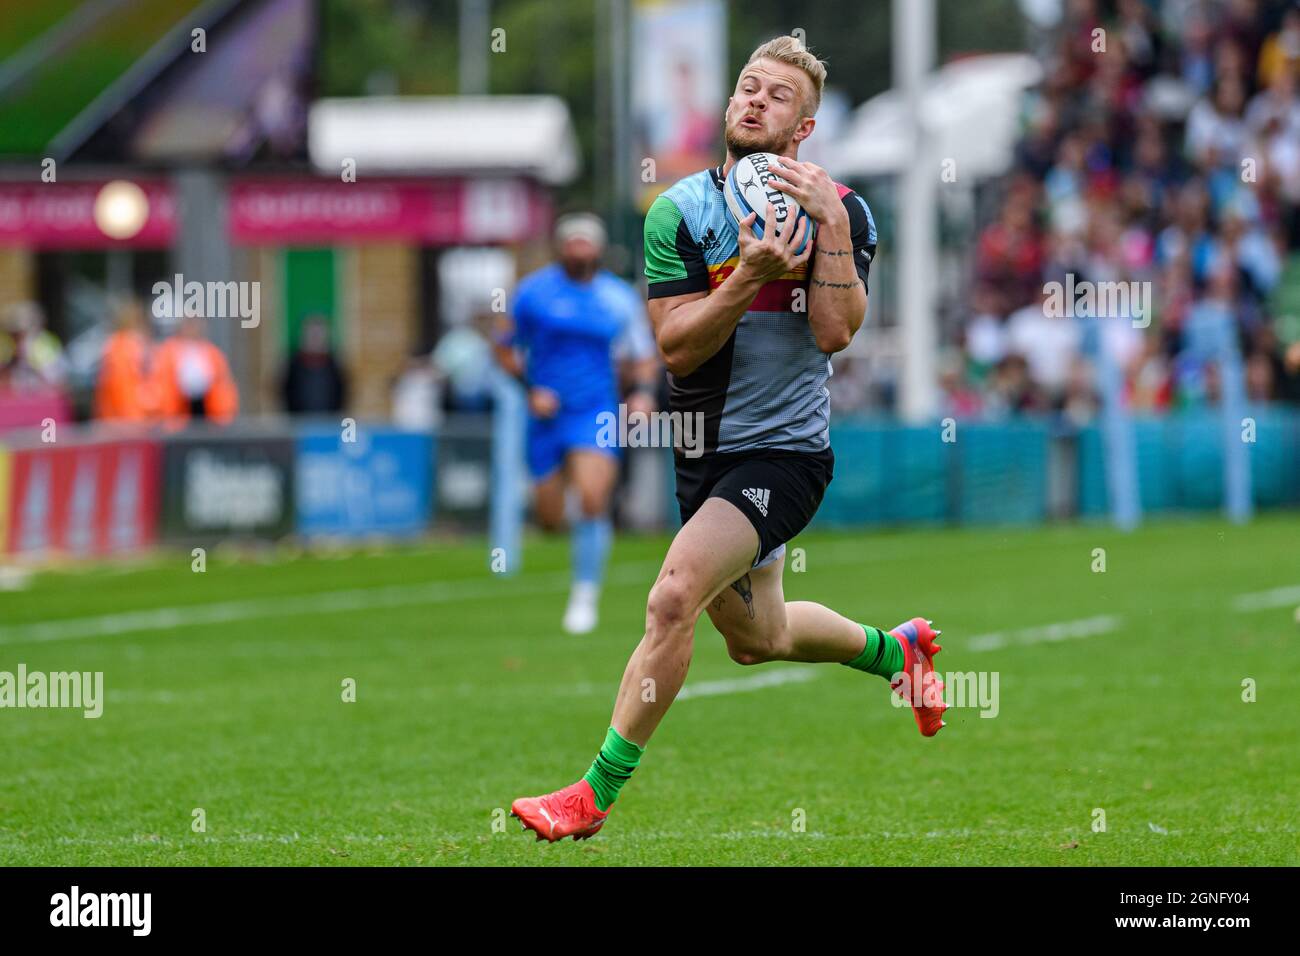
{"x":789,"y":49}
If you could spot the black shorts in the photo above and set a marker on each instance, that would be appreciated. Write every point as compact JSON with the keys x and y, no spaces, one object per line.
{"x":778,"y":491}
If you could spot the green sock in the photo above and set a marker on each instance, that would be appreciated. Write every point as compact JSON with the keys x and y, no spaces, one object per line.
{"x":612,"y":768}
{"x":883,"y":654}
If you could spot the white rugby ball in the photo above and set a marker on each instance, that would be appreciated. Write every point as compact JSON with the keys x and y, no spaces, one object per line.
{"x":747,"y":191}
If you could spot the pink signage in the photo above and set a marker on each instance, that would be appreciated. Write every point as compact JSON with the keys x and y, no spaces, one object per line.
{"x":29,"y":409}
{"x":62,"y":216}
{"x":284,"y":211}
{"x":437,"y":212}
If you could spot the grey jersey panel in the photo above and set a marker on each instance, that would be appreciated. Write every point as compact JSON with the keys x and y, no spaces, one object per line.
{"x":777,"y":396}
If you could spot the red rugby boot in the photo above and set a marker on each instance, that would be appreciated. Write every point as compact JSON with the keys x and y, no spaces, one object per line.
{"x":918,"y":684}
{"x":567,"y":812}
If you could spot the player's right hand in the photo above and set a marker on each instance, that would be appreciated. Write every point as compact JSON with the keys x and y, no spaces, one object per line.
{"x":542,"y":402}
{"x":774,"y":254}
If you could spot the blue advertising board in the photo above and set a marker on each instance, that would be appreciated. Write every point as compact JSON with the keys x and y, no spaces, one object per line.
{"x":378,"y":483}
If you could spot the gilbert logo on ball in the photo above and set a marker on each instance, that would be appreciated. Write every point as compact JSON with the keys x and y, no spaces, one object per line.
{"x":747,"y":190}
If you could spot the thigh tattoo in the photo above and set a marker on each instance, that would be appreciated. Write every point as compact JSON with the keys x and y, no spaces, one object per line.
{"x":742,"y":588}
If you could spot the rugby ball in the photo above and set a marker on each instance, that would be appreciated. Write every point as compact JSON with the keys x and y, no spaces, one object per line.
{"x":747,"y":190}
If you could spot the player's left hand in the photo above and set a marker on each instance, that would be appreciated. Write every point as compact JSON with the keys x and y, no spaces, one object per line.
{"x":813,"y":187}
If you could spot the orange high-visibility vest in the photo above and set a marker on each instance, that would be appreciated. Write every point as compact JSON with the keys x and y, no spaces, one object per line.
{"x":220,"y":404}
{"x":125,"y":389}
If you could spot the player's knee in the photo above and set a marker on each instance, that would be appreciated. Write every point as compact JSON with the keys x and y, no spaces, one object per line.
{"x":592,"y":504}
{"x":746,"y":655}
{"x":669,"y":608}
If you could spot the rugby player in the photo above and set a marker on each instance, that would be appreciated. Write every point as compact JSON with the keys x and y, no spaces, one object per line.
{"x":575,"y":326}
{"x":725,"y":307}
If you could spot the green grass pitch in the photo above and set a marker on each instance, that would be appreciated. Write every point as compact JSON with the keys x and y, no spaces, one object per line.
{"x":224,"y":693}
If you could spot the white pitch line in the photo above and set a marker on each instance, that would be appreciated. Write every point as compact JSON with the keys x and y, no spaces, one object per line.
{"x":1044,"y":633}
{"x":329,"y":602}
{"x":225,"y":612}
{"x":1267,"y":600}
{"x":741,"y":685}
{"x":362,"y":599}
{"x":324,"y":602}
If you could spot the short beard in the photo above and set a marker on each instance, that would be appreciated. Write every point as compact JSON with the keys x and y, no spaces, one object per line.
{"x":582,"y":271}
{"x":739,"y":149}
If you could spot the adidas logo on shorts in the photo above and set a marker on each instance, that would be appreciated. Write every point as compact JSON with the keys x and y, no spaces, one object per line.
{"x":760,"y":497}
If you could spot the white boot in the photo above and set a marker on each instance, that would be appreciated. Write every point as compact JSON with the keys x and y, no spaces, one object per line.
{"x":581,"y":615}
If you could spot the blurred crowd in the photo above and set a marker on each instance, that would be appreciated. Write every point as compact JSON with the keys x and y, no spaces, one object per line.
{"x":181,"y":377}
{"x":1162,"y":147}
{"x":175,"y":377}
{"x":31,"y":357}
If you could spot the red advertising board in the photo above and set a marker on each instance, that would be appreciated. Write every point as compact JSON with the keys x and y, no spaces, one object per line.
{"x":83,"y":499}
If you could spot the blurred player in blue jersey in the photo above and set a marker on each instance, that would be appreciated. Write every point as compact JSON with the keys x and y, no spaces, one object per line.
{"x":578,"y":335}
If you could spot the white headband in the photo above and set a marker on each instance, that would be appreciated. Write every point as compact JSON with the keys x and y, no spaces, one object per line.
{"x":580,"y":225}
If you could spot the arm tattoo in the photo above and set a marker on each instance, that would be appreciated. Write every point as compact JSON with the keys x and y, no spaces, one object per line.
{"x":836,"y":285}
{"x":742,"y":588}
{"x":835,"y":252}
